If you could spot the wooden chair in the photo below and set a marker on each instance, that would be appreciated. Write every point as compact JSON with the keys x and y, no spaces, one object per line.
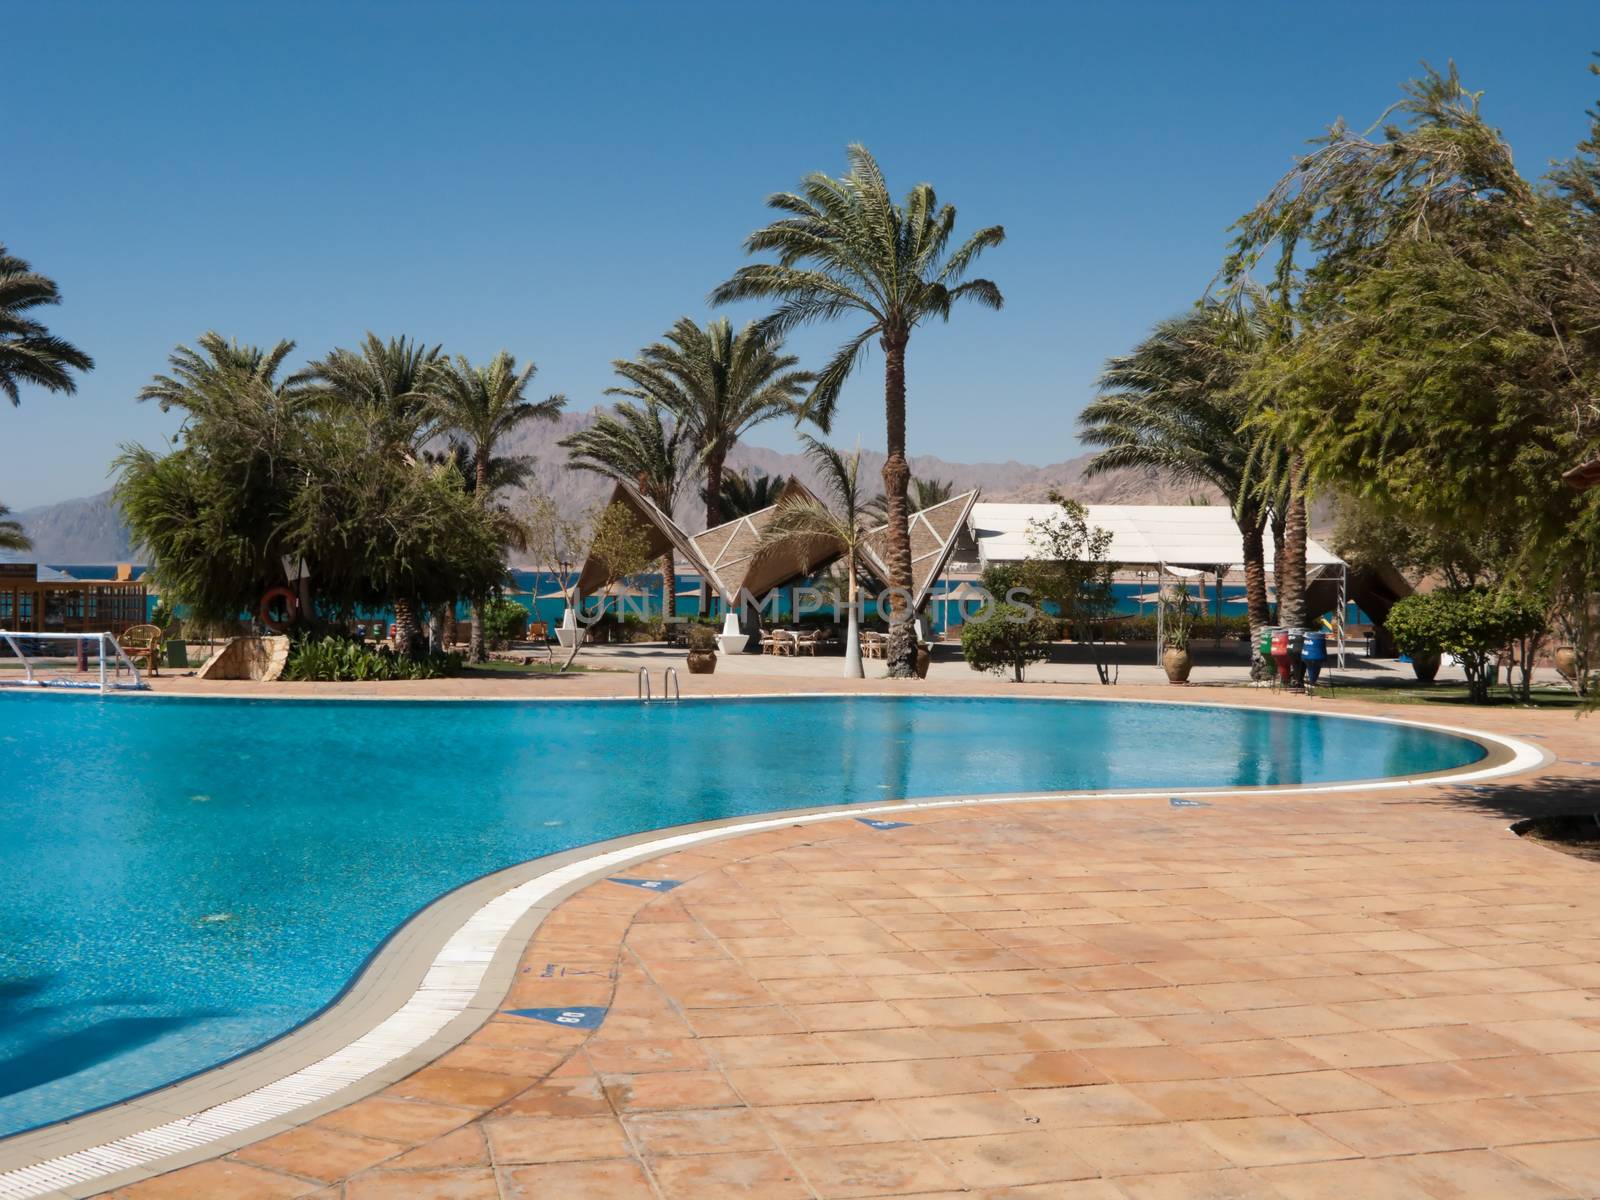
{"x":809,"y":642}
{"x":874,"y":644}
{"x":778,"y":641}
{"x":143,"y":641}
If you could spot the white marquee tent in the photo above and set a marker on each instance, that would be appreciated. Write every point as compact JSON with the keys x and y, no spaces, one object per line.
{"x":1179,"y":540}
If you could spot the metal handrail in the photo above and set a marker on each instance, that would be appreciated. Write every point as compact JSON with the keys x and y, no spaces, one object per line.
{"x":644,"y":683}
{"x":670,"y":675}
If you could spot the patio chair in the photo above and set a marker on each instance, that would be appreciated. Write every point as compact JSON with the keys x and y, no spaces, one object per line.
{"x":143,"y":641}
{"x":874,"y":644}
{"x":808,"y":641}
{"x":777,"y":641}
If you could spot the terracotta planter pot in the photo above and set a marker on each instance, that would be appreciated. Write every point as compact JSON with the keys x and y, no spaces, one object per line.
{"x":1426,"y":666}
{"x":924,"y":661}
{"x":1566,"y":661}
{"x":1177,"y":664}
{"x":702,"y":662}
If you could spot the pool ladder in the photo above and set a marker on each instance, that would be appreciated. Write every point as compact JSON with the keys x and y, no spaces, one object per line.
{"x":671,"y":689}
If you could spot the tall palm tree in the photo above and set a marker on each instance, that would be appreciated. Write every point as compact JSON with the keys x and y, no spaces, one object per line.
{"x":11,"y":535}
{"x":30,"y":353}
{"x":803,"y":522}
{"x":719,"y":385}
{"x":746,"y":492}
{"x":844,"y":246}
{"x":1176,"y":404}
{"x":392,"y":387}
{"x":922,"y":493}
{"x":638,"y":444}
{"x":483,"y":406}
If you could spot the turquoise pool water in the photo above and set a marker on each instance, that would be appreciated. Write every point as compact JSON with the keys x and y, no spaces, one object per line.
{"x":184,"y":879}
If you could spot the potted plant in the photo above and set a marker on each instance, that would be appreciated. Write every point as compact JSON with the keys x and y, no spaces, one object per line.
{"x":1176,"y":622}
{"x":702,"y":649}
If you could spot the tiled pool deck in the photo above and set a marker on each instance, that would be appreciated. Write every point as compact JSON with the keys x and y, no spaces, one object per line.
{"x":1368,"y":994}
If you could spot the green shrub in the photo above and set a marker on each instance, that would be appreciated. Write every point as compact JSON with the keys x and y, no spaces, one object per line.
{"x":1007,"y":637}
{"x":336,"y":660}
{"x":504,"y":622}
{"x":1473,"y":624}
{"x":702,"y":636}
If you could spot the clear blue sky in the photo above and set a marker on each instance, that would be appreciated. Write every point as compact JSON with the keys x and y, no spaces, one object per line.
{"x":564,"y":181}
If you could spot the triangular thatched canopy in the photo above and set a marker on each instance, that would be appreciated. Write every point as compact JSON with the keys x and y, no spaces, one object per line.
{"x":726,"y":557}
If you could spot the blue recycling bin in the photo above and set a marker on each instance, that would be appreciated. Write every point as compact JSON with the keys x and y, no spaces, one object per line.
{"x":1314,"y":653}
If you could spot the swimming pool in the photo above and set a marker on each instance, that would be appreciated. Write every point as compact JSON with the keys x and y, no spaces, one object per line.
{"x":184,"y":879}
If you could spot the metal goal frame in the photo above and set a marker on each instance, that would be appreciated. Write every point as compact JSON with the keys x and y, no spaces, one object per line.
{"x":112,"y":660}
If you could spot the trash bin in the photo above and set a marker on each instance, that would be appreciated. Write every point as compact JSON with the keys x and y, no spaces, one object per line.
{"x":1280,"y":652}
{"x":1315,"y":654}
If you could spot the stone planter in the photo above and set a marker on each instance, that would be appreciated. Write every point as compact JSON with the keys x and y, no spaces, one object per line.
{"x":1566,"y":663}
{"x":702,"y":662}
{"x":1426,"y":666}
{"x":1175,"y":661}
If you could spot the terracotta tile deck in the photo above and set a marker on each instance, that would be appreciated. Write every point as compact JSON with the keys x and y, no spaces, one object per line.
{"x":1365,"y":995}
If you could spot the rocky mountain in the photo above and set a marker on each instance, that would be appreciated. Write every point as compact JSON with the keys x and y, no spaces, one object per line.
{"x":86,"y":530}
{"x":90,"y":530}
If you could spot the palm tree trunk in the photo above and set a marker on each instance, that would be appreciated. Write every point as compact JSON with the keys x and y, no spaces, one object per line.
{"x":669,"y":586}
{"x":1252,"y":532}
{"x":715,"y":464}
{"x":404,"y":633}
{"x":477,"y":651}
{"x":1291,"y":568}
{"x":902,"y":649}
{"x":852,"y":637}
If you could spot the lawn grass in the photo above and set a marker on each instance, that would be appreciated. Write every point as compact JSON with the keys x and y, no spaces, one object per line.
{"x":1542,"y":696}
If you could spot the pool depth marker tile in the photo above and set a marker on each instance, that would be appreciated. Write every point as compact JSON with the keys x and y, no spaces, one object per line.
{"x":577,"y":1016}
{"x":651,"y":885}
{"x":452,"y":981}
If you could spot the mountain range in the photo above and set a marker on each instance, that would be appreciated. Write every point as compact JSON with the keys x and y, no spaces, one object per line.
{"x":90,"y":529}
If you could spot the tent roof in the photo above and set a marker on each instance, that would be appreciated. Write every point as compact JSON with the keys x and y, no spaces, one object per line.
{"x":661,"y":530}
{"x":726,"y":558}
{"x":1187,"y":535}
{"x":729,"y":551}
{"x":933,"y":539}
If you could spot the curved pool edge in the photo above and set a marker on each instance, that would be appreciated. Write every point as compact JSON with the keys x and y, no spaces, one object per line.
{"x":447,"y":968}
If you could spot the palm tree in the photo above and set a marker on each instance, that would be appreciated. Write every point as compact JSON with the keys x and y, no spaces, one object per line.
{"x":483,"y":406}
{"x":805,"y":522}
{"x":12,"y":536}
{"x":922,"y":493}
{"x":636,"y":444}
{"x":198,"y":372}
{"x":719,"y":385}
{"x":746,"y":492}
{"x":392,"y":387}
{"x":845,"y":247}
{"x":1176,"y":404}
{"x":29,"y":353}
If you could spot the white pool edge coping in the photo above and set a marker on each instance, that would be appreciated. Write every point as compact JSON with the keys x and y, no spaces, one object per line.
{"x":452,"y":982}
